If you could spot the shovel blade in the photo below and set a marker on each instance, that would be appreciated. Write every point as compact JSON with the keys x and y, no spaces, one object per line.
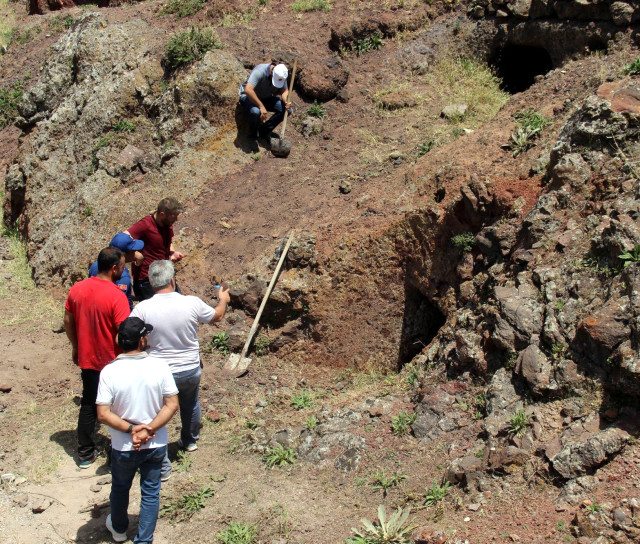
{"x":236,"y":366}
{"x":280,"y":147}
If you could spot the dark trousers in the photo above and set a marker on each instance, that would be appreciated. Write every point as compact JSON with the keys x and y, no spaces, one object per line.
{"x":88,"y":415}
{"x":271,"y":103}
{"x":143,"y":290}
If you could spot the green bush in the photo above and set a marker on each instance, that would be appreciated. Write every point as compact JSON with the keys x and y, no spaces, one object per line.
{"x":311,"y":5}
{"x":370,"y":43}
{"x":189,"y":46}
{"x":633,"y":68}
{"x":220,"y":342}
{"x":238,"y":533}
{"x":400,"y":424}
{"x":464,"y":242}
{"x":529,"y":125}
{"x":279,"y":456}
{"x":183,"y":8}
{"x":9,"y":100}
{"x":317,"y":110}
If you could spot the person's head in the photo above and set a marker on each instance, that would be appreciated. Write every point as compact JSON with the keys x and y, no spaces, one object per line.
{"x":279,"y":75}
{"x":168,"y":211}
{"x":161,"y":274}
{"x":111,"y":262}
{"x":127,"y":245}
{"x":132,"y":334}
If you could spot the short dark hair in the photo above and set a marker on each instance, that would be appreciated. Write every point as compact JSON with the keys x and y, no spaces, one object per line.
{"x":130,"y":331}
{"x":108,"y":257}
{"x":169,"y":205}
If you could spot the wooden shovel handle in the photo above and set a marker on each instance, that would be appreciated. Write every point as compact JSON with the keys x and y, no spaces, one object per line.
{"x":286,"y":111}
{"x":265,"y":298}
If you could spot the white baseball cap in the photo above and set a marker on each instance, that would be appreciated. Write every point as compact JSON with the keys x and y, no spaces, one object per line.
{"x":280,"y":75}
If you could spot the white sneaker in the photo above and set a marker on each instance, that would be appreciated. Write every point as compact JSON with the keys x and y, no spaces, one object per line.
{"x":188,"y":447}
{"x":117,"y":537}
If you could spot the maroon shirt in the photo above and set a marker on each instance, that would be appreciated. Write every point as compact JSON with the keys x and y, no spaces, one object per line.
{"x":157,"y":242}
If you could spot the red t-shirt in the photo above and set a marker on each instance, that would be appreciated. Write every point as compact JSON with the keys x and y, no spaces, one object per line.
{"x":157,"y":242}
{"x":98,"y":307}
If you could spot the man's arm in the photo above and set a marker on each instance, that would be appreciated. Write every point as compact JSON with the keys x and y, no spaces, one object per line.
{"x":221,"y":308}
{"x":250,"y":91}
{"x":70,"y":329}
{"x":175,"y":255}
{"x":146,"y":433}
{"x":285,"y":97}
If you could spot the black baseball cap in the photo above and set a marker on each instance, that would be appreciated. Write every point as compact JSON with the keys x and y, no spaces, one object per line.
{"x":132,"y":329}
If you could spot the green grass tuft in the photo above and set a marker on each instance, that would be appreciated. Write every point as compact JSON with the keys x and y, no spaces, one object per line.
{"x":189,"y":46}
{"x":311,"y":5}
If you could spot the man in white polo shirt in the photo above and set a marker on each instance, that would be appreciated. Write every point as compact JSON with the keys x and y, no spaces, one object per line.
{"x":137,"y":397}
{"x":174,"y":338}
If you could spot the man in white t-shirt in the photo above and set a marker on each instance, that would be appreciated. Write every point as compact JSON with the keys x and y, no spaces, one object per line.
{"x":137,"y":397}
{"x":175,"y":318}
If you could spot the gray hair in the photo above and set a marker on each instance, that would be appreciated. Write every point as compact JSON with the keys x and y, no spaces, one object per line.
{"x":160,"y":274}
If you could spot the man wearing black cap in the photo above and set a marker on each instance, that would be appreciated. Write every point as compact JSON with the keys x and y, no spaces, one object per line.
{"x":137,"y":396}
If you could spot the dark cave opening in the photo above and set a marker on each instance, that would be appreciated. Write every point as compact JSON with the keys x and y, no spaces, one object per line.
{"x":421,"y":322}
{"x":518,"y":65}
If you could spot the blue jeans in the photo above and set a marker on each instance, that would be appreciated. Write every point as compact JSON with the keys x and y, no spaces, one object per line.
{"x":188,"y":384}
{"x":271,"y":103}
{"x":124,"y":465}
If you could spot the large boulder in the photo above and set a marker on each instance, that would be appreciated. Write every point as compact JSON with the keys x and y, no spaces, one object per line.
{"x":322,"y":80}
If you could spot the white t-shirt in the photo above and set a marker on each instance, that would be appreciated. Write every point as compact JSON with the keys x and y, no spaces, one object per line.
{"x":175,"y":319}
{"x":135,"y":386}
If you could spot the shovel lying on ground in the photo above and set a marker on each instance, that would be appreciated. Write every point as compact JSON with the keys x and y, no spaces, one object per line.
{"x":279,"y":146}
{"x":237,"y":365}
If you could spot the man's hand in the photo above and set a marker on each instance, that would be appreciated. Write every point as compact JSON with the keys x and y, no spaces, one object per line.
{"x":74,"y":355}
{"x":141,"y":434}
{"x":287,"y":106}
{"x":138,"y":258}
{"x":176,"y":256}
{"x":223,"y":294}
{"x":263,"y":114}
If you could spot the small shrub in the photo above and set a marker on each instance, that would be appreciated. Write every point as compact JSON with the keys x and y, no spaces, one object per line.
{"x":311,"y":423}
{"x":558,"y":350}
{"x":220,"y":342}
{"x":59,"y":23}
{"x":317,"y":110}
{"x":385,"y":531}
{"x":370,"y":43}
{"x":425,"y":147}
{"x":279,"y":456}
{"x":183,"y":508}
{"x":238,"y":533}
{"x":629,"y":257}
{"x":529,"y":125}
{"x":189,"y":46}
{"x":413,"y":375}
{"x":400,"y":424}
{"x":518,"y":422}
{"x":261,"y":346}
{"x":311,"y":5}
{"x":437,"y":493}
{"x":9,"y":100}
{"x":183,"y":8}
{"x":301,"y":401}
{"x":184,"y":462}
{"x":559,"y":304}
{"x":123,"y":126}
{"x":463,"y":242}
{"x":633,"y":68}
{"x":88,"y":211}
{"x":384,"y":481}
{"x":593,"y":507}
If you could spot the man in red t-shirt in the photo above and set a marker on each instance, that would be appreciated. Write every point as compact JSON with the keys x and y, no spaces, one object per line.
{"x":156,"y":231}
{"x":93,"y":312}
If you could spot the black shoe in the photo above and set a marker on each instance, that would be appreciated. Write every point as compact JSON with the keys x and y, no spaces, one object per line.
{"x":252,"y":145}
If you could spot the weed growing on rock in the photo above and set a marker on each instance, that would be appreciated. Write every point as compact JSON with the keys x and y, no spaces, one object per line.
{"x":593,"y":507}
{"x":238,"y":533}
{"x":311,"y":5}
{"x":301,"y":401}
{"x":633,"y":68}
{"x":401,"y":423}
{"x":9,"y":100}
{"x":317,"y":110}
{"x":183,"y":8}
{"x":370,"y":43}
{"x":436,"y":493}
{"x":413,"y":375}
{"x":518,"y":422}
{"x":630,"y":257}
{"x":529,"y":125}
{"x":279,"y":456}
{"x":385,"y":531}
{"x":183,"y":508}
{"x":123,"y":126}
{"x":384,"y":481}
{"x":463,"y":242}
{"x":311,"y":423}
{"x":189,"y":46}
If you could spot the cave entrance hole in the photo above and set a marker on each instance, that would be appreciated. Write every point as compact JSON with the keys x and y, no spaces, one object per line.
{"x":421,"y":322}
{"x":518,"y":65}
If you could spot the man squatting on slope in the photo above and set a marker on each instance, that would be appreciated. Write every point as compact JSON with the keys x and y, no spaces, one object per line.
{"x":265,"y":90}
{"x":137,"y":397}
{"x":174,"y":338}
{"x":156,"y":231}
